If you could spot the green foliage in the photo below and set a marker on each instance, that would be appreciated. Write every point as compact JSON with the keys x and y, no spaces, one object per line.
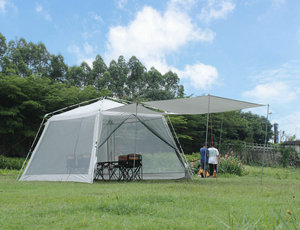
{"x":11,"y":162}
{"x":194,"y":161}
{"x":193,"y":157}
{"x":23,"y":103}
{"x":236,"y":128}
{"x":231,"y":165}
{"x":227,"y":164}
{"x":289,"y":156}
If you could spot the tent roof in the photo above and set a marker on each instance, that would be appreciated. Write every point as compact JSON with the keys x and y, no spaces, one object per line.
{"x":195,"y":105}
{"x":101,"y":105}
{"x":200,"y":105}
{"x":131,"y":108}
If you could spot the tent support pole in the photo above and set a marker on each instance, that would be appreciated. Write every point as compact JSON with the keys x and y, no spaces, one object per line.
{"x":221,"y":132}
{"x":181,"y":149}
{"x":71,"y":106}
{"x":206,"y":135}
{"x":136,"y":120}
{"x":33,"y":143}
{"x":263,"y":156}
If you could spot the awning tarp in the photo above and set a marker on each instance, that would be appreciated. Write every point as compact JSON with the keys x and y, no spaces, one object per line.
{"x":200,"y":105}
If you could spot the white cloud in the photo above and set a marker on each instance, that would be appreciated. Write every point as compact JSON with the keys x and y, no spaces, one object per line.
{"x":88,"y":49}
{"x":40,"y":10}
{"x":277,"y":3}
{"x":2,"y":6}
{"x":84,"y":53}
{"x":6,"y":5}
{"x":272,"y":92}
{"x":96,"y":17}
{"x":152,"y":35}
{"x":290,"y":123}
{"x":216,"y":9}
{"x":274,"y":7}
{"x":181,"y":4}
{"x":280,"y":88}
{"x":201,"y":76}
{"x":121,"y":3}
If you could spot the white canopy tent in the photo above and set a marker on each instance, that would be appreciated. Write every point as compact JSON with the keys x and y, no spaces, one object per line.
{"x":74,"y":141}
{"x":106,"y":129}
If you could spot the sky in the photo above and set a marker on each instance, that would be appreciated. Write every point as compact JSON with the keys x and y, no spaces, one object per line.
{"x":241,"y":49}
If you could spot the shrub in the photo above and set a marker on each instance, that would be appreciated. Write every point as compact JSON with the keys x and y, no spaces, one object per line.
{"x":289,"y":156}
{"x":194,"y":161}
{"x":231,"y":165}
{"x":11,"y":162}
{"x":195,"y":166}
{"x":192,"y":157}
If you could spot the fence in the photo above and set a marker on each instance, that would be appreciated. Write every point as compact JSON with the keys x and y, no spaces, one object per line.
{"x":251,"y":154}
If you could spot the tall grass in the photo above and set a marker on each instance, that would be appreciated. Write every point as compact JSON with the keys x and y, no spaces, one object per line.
{"x":223,"y":203}
{"x":10,"y":162}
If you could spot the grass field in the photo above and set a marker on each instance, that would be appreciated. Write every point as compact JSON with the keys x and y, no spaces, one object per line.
{"x":230,"y":203}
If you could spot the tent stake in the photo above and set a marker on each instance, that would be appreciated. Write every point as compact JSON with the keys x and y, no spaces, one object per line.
{"x":263,"y":156}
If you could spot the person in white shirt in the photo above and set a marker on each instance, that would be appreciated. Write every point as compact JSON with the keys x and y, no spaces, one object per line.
{"x":213,"y":160}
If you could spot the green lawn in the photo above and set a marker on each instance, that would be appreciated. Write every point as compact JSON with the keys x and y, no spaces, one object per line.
{"x":228,"y":203}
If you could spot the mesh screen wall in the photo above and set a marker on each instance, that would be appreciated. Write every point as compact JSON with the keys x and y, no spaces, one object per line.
{"x":65,"y":148}
{"x":122,"y":136}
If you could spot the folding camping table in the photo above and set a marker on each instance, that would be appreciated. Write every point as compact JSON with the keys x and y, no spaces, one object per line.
{"x":126,"y":169}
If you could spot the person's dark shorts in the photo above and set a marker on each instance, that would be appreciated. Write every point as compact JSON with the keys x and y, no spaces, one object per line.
{"x":202,"y":165}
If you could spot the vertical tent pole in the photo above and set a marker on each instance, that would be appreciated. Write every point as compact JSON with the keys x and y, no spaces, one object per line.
{"x":136,"y":120}
{"x":181,"y":149}
{"x":221,"y":132}
{"x":206,"y":135}
{"x":263,"y":156}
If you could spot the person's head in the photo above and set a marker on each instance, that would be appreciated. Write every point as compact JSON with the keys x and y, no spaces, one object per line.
{"x":204,"y":145}
{"x":212,"y":146}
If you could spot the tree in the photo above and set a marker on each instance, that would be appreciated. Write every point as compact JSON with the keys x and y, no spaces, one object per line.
{"x":24,"y":58}
{"x":58,"y":68}
{"x":171,"y":84}
{"x":25,"y":100}
{"x":120,"y":79}
{"x":3,"y":46}
{"x":80,"y":76}
{"x":99,"y":69}
{"x":135,"y":81}
{"x":118,"y":75}
{"x":87,"y":74}
{"x":74,"y":76}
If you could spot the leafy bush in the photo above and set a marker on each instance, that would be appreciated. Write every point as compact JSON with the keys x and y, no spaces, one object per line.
{"x":11,"y":162}
{"x":231,"y":165}
{"x":194,"y":161}
{"x":289,"y":156}
{"x":195,"y":166}
{"x":227,"y":164}
{"x":192,"y":157}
